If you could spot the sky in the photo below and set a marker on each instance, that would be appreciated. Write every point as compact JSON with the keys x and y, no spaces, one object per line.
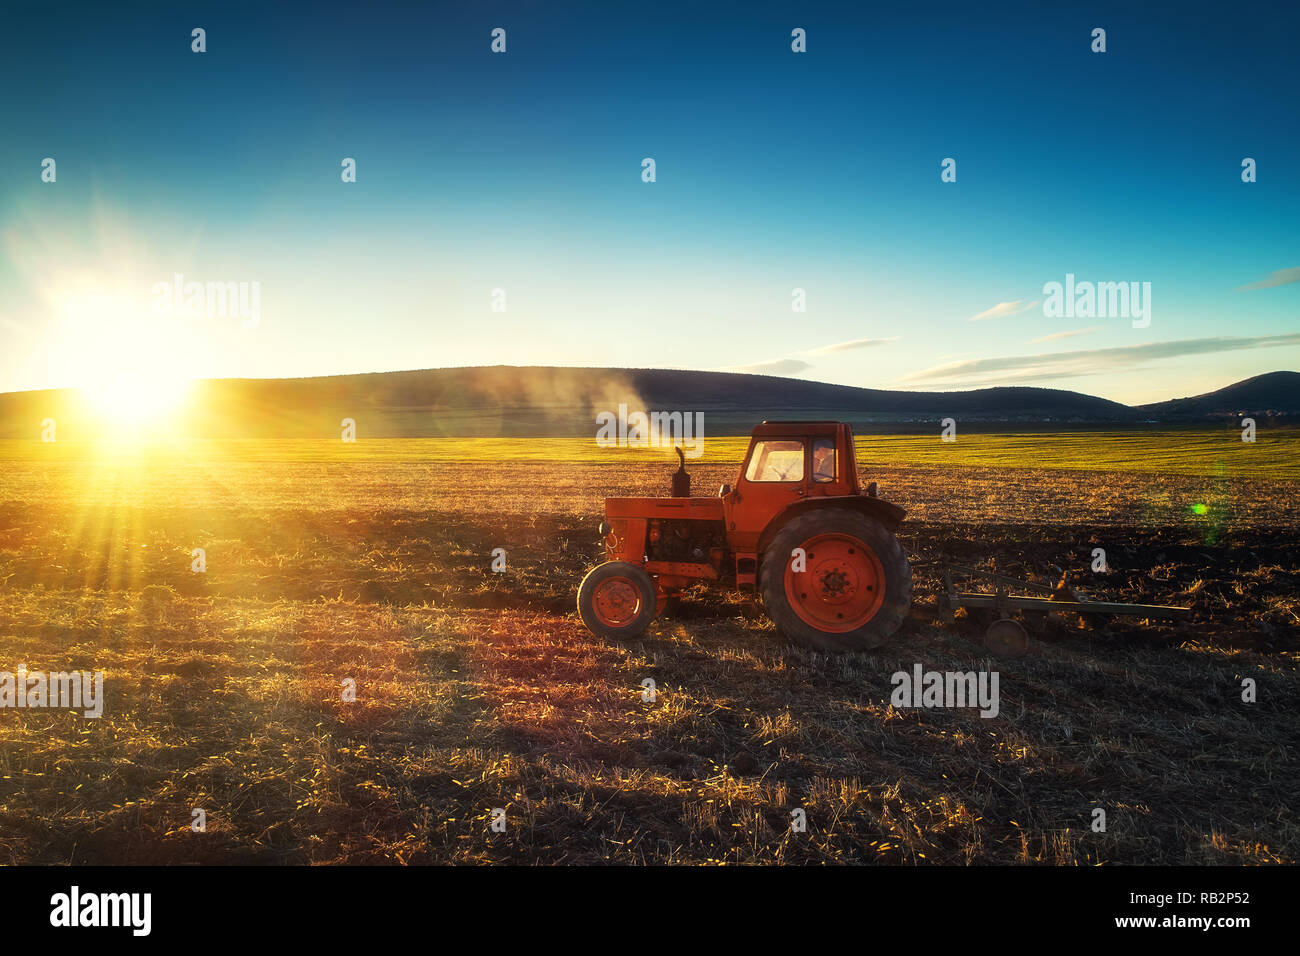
{"x":775,"y":171}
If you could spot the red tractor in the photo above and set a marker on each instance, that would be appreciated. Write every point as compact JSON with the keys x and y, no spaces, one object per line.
{"x":796,"y":527}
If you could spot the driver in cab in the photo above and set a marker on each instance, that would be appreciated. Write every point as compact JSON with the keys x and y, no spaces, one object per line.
{"x":824,"y":461}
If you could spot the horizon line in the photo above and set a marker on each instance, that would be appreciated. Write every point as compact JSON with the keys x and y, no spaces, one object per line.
{"x":611,"y":368}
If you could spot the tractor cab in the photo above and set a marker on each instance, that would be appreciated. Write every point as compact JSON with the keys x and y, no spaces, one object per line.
{"x":819,"y":454}
{"x":788,"y":463}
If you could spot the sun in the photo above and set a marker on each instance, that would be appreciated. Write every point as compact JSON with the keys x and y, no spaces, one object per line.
{"x":133,"y":368}
{"x":133,"y":400}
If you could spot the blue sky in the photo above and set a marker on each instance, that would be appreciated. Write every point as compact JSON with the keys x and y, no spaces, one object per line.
{"x":775,"y":170}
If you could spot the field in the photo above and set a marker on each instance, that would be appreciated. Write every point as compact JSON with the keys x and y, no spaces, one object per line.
{"x":478,"y":690}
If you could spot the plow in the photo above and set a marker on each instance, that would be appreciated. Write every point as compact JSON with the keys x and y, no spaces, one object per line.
{"x":1007,"y":637}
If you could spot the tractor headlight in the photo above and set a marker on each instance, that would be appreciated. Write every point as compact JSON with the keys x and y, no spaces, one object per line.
{"x":604,"y":529}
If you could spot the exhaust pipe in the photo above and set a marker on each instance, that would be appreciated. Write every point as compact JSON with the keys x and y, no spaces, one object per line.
{"x":681,"y":480}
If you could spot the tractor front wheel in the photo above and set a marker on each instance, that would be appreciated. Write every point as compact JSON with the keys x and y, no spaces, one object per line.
{"x":847,"y":588}
{"x":617,"y":600}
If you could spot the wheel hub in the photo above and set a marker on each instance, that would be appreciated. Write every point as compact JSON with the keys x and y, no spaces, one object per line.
{"x":836,"y":585}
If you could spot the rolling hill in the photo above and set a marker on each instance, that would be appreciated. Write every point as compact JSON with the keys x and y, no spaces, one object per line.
{"x":1277,"y":392}
{"x":552,"y":401}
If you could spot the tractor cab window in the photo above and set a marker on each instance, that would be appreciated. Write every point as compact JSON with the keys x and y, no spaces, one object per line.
{"x":824,"y":459}
{"x":776,"y":461}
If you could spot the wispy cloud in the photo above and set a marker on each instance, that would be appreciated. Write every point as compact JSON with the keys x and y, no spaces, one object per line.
{"x":1057,"y":365}
{"x":785,"y":366}
{"x":794,"y":366}
{"x":848,"y":346}
{"x":1281,"y":277}
{"x":1003,"y":309}
{"x":1056,"y":336}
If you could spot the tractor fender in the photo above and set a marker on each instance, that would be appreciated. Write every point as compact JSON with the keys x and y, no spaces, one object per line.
{"x":887,"y":513}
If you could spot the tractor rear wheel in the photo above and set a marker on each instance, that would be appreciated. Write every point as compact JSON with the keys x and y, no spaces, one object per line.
{"x":616,"y":600}
{"x":855,"y":588}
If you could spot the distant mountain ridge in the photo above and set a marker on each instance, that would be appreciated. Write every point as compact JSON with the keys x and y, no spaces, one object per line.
{"x":557,"y":401}
{"x":1277,"y":392}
